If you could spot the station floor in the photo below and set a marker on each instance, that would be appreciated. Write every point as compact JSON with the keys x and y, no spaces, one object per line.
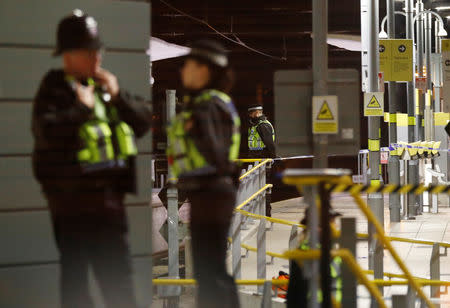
{"x":428,"y":226}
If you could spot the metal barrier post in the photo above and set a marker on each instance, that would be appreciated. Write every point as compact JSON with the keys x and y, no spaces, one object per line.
{"x":435,"y":271}
{"x":411,"y":297}
{"x":307,"y":180}
{"x":262,"y":182}
{"x":236,"y":246}
{"x":313,"y":224}
{"x":267,"y":295}
{"x":293,"y":237}
{"x":399,"y":301}
{"x":188,"y":262}
{"x":325,"y":241}
{"x":348,"y":241}
{"x":247,"y":189}
{"x":393,"y":163}
{"x":172,"y":292}
{"x":261,"y":253}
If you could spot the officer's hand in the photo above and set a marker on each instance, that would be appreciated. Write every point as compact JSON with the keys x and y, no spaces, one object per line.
{"x":85,"y":95}
{"x":108,"y":80}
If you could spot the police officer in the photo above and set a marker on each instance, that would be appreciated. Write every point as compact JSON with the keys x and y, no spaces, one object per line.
{"x":84,"y":128}
{"x":298,"y":293}
{"x":261,"y":135}
{"x":204,"y":141}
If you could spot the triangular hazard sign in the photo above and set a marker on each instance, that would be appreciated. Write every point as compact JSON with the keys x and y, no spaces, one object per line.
{"x":373,"y":103}
{"x":325,"y":112}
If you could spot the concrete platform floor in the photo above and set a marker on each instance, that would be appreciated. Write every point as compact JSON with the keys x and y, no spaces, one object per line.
{"x":427,"y":226}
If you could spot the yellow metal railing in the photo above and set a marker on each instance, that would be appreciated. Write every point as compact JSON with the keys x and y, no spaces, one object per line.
{"x":346,"y":180}
{"x":382,"y":237}
{"x":240,"y":206}
{"x":348,"y":258}
{"x":262,"y":163}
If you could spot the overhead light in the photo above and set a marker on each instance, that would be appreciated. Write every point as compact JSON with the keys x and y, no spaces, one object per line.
{"x":442,"y":32}
{"x":443,"y":8}
{"x":383,"y":35}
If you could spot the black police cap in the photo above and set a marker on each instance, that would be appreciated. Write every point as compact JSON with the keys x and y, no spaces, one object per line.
{"x":77,"y":31}
{"x":209,"y":51}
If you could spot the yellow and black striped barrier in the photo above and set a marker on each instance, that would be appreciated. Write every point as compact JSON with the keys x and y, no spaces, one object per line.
{"x":389,"y":188}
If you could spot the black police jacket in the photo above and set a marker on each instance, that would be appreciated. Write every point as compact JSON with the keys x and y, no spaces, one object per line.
{"x":56,"y":120}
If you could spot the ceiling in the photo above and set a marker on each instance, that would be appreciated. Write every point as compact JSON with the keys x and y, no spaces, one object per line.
{"x":277,"y":32}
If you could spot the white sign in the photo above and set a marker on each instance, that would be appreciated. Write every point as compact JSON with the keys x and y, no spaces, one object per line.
{"x":325,"y":115}
{"x":384,"y":158}
{"x":374,"y":104}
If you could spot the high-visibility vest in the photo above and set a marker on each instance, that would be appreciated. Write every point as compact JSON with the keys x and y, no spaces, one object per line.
{"x":336,"y":280}
{"x":106,"y":139}
{"x":255,"y":142}
{"x":183,"y":156}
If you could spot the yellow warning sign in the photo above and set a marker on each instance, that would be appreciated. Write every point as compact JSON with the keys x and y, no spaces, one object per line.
{"x":396,"y":59}
{"x":325,"y":112}
{"x":445,"y":45}
{"x":325,"y":115}
{"x":374,"y":104}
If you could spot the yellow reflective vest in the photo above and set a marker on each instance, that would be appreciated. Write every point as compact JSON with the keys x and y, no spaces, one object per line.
{"x":107,"y":141}
{"x":182,"y":154}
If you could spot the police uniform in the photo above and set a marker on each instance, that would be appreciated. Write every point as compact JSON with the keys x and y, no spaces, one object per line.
{"x":203,"y":143}
{"x":84,"y":160}
{"x":261,"y":144}
{"x":261,"y":137}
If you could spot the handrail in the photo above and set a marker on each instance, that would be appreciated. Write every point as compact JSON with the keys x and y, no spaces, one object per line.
{"x":271,"y":219}
{"x":264,"y":162}
{"x":347,"y":256}
{"x":249,"y":160}
{"x":359,"y":235}
{"x":424,"y":282}
{"x":267,"y":186}
{"x":382,"y":237}
{"x":269,"y":253}
{"x":275,"y":282}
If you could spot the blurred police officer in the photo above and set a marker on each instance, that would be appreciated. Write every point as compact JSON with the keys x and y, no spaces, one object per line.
{"x":298,"y":294}
{"x":204,"y":141}
{"x":84,"y":128}
{"x":261,"y":135}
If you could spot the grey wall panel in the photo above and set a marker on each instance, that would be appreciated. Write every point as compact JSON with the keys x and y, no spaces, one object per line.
{"x":293,"y":101}
{"x":15,"y":130}
{"x":27,"y":237}
{"x":37,"y":286}
{"x":23,"y":69}
{"x":19,"y":189}
{"x":29,"y":286}
{"x":122,"y":24}
{"x":144,"y":185}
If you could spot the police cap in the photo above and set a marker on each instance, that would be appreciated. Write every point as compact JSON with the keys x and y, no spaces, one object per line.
{"x":77,"y":31}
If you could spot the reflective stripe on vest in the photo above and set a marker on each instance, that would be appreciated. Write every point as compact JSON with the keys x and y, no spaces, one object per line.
{"x":183,"y":155}
{"x":336,"y":280}
{"x":255,"y":142}
{"x":102,"y":134}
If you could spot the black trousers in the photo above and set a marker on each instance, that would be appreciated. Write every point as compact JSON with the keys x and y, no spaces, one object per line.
{"x":211,"y":213}
{"x":90,"y":231}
